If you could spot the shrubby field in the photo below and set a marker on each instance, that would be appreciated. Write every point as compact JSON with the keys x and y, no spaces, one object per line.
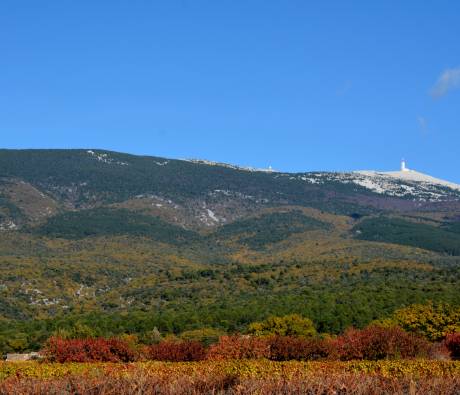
{"x":280,"y":355}
{"x":233,"y":377}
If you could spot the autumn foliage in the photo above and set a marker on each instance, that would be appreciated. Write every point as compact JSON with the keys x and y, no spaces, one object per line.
{"x":372,"y":343}
{"x":453,"y":344}
{"x":89,"y":350}
{"x":289,"y":325}
{"x":240,"y":347}
{"x":236,"y":377}
{"x":377,"y":342}
{"x":433,"y":321}
{"x":319,"y":383}
{"x":176,"y":351}
{"x":286,"y":348}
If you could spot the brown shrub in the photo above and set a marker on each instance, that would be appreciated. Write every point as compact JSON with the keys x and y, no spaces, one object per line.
{"x":453,"y":345}
{"x":320,"y":383}
{"x":176,"y":351}
{"x":439,"y":351}
{"x":377,"y":342}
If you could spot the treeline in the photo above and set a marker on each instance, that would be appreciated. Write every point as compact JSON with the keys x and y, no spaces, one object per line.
{"x":432,"y":322}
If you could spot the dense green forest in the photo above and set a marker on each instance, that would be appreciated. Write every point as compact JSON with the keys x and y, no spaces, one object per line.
{"x":356,"y":298}
{"x":270,"y":228}
{"x":112,"y":177}
{"x":111,"y":222}
{"x":399,"y":231}
{"x":453,"y":226}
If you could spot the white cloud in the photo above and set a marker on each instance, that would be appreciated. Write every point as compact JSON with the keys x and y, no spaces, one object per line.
{"x":448,"y":80}
{"x":423,"y":124}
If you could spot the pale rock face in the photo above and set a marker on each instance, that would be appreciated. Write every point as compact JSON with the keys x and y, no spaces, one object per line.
{"x":408,"y":175}
{"x":412,"y":175}
{"x":405,"y":183}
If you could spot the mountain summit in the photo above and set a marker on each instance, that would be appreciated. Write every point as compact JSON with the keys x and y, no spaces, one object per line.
{"x":406,"y":174}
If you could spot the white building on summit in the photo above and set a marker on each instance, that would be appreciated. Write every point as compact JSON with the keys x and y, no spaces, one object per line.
{"x":403,"y":166}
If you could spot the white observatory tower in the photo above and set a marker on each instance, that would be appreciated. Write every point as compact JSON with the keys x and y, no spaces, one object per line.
{"x":403,"y":166}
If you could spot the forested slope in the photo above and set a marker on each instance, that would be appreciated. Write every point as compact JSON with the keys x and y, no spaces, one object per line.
{"x":118,"y":241}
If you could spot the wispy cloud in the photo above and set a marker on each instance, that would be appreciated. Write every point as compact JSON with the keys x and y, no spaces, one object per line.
{"x":347,"y":85}
{"x":423,"y":124}
{"x":447,"y":81}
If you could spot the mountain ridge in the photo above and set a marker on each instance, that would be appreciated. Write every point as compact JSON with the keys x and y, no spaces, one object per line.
{"x":37,"y":184}
{"x":201,"y":244}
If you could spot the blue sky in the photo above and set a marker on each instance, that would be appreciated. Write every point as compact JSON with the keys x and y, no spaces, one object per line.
{"x":298,"y":85}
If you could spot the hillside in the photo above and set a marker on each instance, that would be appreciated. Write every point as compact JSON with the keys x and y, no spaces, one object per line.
{"x":119,"y":241}
{"x":35,"y":184}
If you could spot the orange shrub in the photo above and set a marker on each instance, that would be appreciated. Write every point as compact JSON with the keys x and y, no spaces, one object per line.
{"x":88,"y":350}
{"x":240,"y":347}
{"x":176,"y":351}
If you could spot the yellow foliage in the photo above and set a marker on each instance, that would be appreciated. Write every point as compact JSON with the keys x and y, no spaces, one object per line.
{"x":430,"y":320}
{"x":289,"y":325}
{"x":239,"y":368}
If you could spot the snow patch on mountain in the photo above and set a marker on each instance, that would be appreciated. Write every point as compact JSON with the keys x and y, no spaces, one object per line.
{"x":403,"y":184}
{"x":408,"y":184}
{"x":164,"y":163}
{"x":413,"y":175}
{"x":8,"y":225}
{"x":212,"y":215}
{"x":105,"y":158}
{"x":234,"y":167}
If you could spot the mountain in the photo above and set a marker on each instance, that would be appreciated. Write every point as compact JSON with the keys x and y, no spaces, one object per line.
{"x":37,"y":184}
{"x":94,"y":236}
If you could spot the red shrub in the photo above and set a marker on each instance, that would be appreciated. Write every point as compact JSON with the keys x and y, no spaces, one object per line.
{"x":285,"y":348}
{"x":240,"y":347}
{"x":176,"y":351}
{"x":453,"y":345}
{"x":122,"y":350}
{"x":88,"y":350}
{"x":439,"y":351}
{"x":377,"y":342}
